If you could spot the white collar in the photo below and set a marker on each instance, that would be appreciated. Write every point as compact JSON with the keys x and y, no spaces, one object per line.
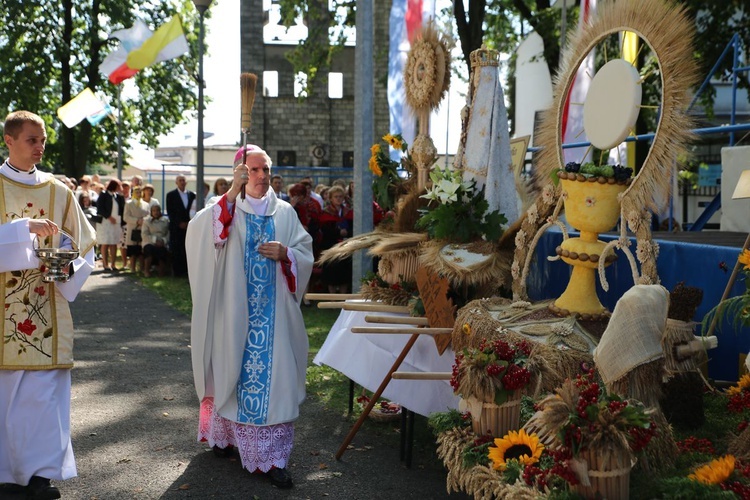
{"x":32,"y":177}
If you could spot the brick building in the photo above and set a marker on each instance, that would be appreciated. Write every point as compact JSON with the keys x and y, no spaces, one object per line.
{"x":316,"y":130}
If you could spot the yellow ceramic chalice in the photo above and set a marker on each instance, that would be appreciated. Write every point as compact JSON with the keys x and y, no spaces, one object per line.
{"x":591,"y":206}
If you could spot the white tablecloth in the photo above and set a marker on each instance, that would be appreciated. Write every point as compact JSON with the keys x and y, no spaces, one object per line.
{"x":366,"y":359}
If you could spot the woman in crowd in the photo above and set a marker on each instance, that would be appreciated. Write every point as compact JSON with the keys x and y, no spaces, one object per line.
{"x":336,"y":223}
{"x":110,"y":206}
{"x":308,"y":212}
{"x":84,"y":200}
{"x":221,"y":186}
{"x":147,"y":195}
{"x":155,"y":235}
{"x":135,"y":211}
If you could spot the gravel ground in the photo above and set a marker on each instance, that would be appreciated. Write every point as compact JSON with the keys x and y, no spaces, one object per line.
{"x":135,"y":416}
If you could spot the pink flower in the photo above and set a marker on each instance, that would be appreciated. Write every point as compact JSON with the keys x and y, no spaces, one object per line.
{"x":40,"y":290}
{"x":27,"y":327}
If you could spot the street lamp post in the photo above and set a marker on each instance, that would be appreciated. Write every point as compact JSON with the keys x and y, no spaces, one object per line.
{"x":202,"y":7}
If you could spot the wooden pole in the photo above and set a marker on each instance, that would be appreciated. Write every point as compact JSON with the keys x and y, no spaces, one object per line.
{"x":376,"y":396}
{"x":332,"y":296}
{"x":728,"y":288}
{"x":374,"y":307}
{"x":396,"y":320}
{"x":422,"y":376}
{"x":397,"y":330}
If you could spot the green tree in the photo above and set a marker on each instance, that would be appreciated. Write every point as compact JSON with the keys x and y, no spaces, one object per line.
{"x":50,"y":51}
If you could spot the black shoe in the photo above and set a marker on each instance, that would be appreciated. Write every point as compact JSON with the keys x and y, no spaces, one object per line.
{"x":39,"y":488}
{"x":11,"y":489}
{"x":227,"y":452}
{"x":280,"y":478}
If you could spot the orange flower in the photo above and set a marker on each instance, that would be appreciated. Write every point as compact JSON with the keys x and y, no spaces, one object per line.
{"x":744,"y":259}
{"x":715,"y":472}
{"x":374,"y":167}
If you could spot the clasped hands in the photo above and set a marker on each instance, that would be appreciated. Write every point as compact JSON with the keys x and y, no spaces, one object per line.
{"x":273,"y":250}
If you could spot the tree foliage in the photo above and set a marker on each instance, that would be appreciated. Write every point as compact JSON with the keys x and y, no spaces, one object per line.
{"x":51,"y":51}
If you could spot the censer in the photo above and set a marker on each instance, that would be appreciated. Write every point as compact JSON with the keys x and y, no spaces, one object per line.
{"x":56,"y":260}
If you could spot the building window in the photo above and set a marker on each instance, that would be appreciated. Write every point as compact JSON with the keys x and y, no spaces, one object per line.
{"x":335,"y":85}
{"x":300,"y":85}
{"x":271,"y":84}
{"x":286,"y":158}
{"x":347,"y":159}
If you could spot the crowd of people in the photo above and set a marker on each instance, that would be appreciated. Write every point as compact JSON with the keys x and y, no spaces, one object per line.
{"x":127,"y":218}
{"x":131,"y":222}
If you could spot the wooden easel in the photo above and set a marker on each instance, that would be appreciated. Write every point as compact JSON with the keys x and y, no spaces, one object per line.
{"x":439,"y":324}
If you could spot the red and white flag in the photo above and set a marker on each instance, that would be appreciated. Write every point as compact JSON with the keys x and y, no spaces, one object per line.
{"x":406,"y":19}
{"x":572,"y":119}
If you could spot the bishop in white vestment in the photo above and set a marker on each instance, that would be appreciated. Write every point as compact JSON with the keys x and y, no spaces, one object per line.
{"x":36,"y":352}
{"x":249,"y":261}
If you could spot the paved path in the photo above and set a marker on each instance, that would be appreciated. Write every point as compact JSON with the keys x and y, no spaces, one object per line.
{"x":135,"y":413}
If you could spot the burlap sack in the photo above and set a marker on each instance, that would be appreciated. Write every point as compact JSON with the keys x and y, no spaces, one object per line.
{"x":633,"y":335}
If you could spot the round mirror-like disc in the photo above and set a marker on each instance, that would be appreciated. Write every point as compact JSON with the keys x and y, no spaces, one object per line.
{"x":612,"y":104}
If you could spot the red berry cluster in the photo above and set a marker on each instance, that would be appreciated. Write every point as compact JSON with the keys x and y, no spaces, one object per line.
{"x":483,"y":439}
{"x":739,"y":402}
{"x":742,"y":425}
{"x":742,"y":490}
{"x":640,"y":437}
{"x":743,"y":468}
{"x":494,"y":370}
{"x":516,"y":377}
{"x":693,"y":444}
{"x":541,"y":478}
{"x":505,"y":351}
{"x":572,"y":437}
{"x":455,"y":377}
{"x":588,"y":393}
{"x":615,"y":406}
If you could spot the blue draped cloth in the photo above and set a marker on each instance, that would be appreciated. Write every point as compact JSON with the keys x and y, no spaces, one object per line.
{"x":697,"y":265}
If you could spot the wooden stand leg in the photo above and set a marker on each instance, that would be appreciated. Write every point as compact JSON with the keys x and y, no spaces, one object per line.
{"x":409,"y":436}
{"x":376,"y":396}
{"x":351,"y":396}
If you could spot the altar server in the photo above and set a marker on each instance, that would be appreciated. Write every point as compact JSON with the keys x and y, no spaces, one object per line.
{"x":37,"y":330}
{"x":249,"y":261}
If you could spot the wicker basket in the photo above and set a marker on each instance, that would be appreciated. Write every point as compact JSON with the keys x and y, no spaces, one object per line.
{"x":499,"y":419}
{"x":609,"y":478}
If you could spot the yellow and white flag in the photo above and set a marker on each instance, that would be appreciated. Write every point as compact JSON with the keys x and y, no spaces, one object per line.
{"x":77,"y":109}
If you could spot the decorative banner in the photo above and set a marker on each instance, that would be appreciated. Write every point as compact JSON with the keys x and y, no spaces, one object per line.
{"x":81,"y":106}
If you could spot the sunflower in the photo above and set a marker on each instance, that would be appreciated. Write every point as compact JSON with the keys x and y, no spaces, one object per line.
{"x":394,"y":141}
{"x":743,"y":384}
{"x":466,"y":329}
{"x":516,"y":445}
{"x":375,"y":149}
{"x":373,"y":165}
{"x":715,"y":472}
{"x":744,"y":259}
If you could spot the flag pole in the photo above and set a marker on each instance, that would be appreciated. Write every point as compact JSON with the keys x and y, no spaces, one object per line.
{"x":119,"y":133}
